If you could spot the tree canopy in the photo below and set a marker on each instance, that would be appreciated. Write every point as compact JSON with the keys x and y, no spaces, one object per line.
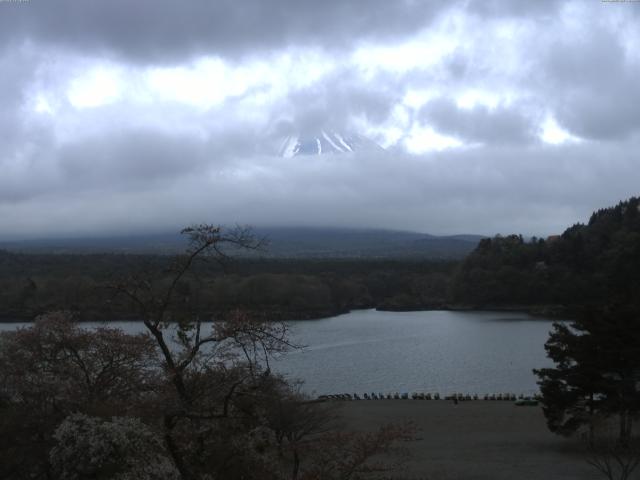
{"x":593,"y":264}
{"x":596,"y":373}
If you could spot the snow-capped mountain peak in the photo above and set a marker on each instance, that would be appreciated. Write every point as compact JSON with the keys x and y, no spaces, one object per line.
{"x":325,"y":142}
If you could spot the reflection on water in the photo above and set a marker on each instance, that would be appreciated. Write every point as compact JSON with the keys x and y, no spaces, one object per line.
{"x":437,"y":351}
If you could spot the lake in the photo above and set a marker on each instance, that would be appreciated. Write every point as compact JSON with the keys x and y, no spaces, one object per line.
{"x":429,"y":351}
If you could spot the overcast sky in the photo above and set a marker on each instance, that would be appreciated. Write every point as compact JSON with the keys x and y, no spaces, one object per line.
{"x":497,"y":116}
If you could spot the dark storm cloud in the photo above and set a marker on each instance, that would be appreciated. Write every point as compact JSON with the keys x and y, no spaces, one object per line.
{"x":22,"y":137}
{"x":121,"y":160}
{"x":17,"y":68}
{"x":479,"y":124}
{"x":170,"y":30}
{"x":130,"y":157}
{"x":335,"y":102}
{"x":598,"y":84}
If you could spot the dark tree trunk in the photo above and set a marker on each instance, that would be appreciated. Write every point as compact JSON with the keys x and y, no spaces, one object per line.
{"x":296,"y":464}
{"x":178,"y":460}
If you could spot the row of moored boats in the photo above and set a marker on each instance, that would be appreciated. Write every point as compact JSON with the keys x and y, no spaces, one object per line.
{"x":460,"y":397}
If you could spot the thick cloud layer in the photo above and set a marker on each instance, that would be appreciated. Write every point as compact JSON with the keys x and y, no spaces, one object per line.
{"x":170,"y":30}
{"x":496,"y":116}
{"x":480,"y":123}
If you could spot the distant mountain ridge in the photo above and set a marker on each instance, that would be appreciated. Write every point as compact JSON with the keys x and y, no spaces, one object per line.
{"x":369,"y":243}
{"x":326,"y":142}
{"x":283,"y":242}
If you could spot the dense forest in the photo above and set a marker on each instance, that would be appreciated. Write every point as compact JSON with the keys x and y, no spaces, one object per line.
{"x":31,"y":284}
{"x":592,"y":264}
{"x":595,"y":263}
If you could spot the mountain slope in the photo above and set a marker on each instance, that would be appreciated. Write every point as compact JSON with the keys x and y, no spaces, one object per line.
{"x":283,"y":242}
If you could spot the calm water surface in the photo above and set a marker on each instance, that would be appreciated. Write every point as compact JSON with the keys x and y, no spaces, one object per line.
{"x":434,"y":351}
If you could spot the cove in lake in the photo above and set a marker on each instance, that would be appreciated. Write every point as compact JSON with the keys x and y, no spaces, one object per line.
{"x":427,"y":351}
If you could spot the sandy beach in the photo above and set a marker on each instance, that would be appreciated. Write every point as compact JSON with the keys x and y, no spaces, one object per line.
{"x":475,"y":440}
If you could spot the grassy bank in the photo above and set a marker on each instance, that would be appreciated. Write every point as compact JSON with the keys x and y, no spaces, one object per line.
{"x":475,"y":440}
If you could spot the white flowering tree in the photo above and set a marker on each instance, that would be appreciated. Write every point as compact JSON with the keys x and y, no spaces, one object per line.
{"x":54,"y":368}
{"x":116,"y":449}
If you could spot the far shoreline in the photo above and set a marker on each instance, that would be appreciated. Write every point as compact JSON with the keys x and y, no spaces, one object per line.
{"x":549,"y":312}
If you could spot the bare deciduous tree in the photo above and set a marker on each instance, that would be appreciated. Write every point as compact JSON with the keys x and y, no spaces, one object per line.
{"x":202,"y":390}
{"x":229,"y":357}
{"x":613,"y":459}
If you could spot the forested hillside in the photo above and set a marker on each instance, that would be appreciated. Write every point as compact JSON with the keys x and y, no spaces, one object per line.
{"x":590,"y":264}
